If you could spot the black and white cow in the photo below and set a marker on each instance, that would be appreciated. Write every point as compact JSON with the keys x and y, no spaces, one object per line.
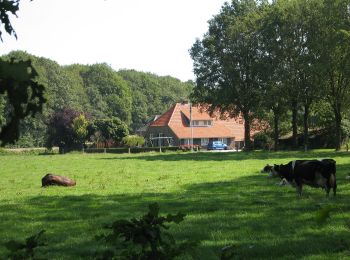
{"x":316,"y":173}
{"x":268,"y":168}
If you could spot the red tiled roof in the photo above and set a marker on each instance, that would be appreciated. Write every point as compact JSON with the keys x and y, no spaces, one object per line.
{"x":164,"y":119}
{"x":197,"y":112}
{"x":177,"y":118}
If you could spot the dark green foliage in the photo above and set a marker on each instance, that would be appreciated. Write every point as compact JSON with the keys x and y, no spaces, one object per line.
{"x":108,"y":129}
{"x":133,"y":97}
{"x":262,"y":141}
{"x":108,"y":92}
{"x":25,"y":96}
{"x":228,"y":63}
{"x":25,"y":250}
{"x":153,"y":95}
{"x":144,"y":238}
{"x":227,"y":253}
{"x":280,"y":57}
{"x":61,"y":131}
{"x":8,"y":6}
{"x":18,"y":81}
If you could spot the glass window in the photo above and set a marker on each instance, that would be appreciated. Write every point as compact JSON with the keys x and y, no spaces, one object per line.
{"x":186,"y":141}
{"x":204,"y":141}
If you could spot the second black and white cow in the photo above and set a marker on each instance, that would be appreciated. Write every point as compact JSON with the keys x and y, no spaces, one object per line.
{"x":315,"y":173}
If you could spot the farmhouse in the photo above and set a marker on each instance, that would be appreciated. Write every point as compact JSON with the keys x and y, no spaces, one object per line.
{"x":183,"y":122}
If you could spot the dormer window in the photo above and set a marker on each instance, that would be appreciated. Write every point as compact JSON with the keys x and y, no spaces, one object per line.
{"x":201,"y":123}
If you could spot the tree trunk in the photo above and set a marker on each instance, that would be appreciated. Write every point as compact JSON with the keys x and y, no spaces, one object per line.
{"x":294,"y":125}
{"x":338,"y":120}
{"x":276,"y":130}
{"x":247,"y":141}
{"x":306,"y":127}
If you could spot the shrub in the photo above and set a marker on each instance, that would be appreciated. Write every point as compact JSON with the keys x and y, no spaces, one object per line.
{"x":20,"y":250}
{"x":144,"y":238}
{"x":3,"y":151}
{"x":133,"y":141}
{"x":187,"y":147}
{"x":262,"y":141}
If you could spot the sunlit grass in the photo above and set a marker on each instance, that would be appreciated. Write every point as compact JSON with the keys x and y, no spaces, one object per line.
{"x":226,"y":198}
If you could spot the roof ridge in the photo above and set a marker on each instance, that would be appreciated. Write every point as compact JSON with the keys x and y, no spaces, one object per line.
{"x":172,"y":113}
{"x":165,"y":117}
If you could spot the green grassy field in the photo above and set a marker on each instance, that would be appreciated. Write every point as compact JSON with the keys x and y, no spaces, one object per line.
{"x":226,"y":198}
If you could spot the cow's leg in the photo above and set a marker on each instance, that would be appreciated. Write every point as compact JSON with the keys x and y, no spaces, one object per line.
{"x":299,"y":188}
{"x":328,"y":188}
{"x":333,"y":183}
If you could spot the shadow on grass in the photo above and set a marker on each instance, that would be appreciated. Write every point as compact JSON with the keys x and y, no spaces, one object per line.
{"x":260,"y":219}
{"x":229,"y":156}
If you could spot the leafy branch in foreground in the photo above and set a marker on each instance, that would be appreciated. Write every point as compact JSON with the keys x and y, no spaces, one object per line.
{"x":144,"y":238}
{"x":19,"y":250}
{"x":25,"y":96}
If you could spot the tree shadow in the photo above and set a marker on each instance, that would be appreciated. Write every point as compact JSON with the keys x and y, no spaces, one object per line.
{"x":260,"y":219}
{"x":229,"y":156}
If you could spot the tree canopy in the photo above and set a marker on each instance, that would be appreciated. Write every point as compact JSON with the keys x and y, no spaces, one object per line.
{"x":131,"y":96}
{"x":227,"y":63}
{"x":20,"y":90}
{"x":281,"y":57}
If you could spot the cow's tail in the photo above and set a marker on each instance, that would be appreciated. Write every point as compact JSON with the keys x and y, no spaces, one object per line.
{"x":333,"y":183}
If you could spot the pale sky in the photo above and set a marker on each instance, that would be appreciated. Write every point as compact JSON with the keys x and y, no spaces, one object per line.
{"x":145,"y":35}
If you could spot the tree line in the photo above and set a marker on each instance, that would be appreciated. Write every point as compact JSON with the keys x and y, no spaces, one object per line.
{"x":111,"y":101}
{"x":285,"y":61}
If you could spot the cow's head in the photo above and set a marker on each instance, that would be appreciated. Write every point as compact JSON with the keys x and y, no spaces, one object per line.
{"x":278,"y":170}
{"x":267,"y":169}
{"x":283,"y":171}
{"x":276,"y":167}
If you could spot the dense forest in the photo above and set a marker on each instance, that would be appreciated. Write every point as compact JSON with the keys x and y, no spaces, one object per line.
{"x":99,"y":92}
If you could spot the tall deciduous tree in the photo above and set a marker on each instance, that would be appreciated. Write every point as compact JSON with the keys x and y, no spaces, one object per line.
{"x":110,"y":129}
{"x":61,"y":131}
{"x":227,"y":63}
{"x":275,"y":94}
{"x":290,"y":25}
{"x":332,"y":42}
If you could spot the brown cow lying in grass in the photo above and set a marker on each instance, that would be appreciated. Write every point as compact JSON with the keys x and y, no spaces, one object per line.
{"x":52,"y":179}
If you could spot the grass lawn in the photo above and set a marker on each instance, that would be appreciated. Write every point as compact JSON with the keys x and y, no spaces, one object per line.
{"x":226,"y":198}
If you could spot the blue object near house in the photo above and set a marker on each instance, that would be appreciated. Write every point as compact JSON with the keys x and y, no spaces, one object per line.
{"x":216,"y":145}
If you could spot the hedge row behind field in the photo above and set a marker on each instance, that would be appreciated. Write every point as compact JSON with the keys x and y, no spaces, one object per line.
{"x":132,"y":150}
